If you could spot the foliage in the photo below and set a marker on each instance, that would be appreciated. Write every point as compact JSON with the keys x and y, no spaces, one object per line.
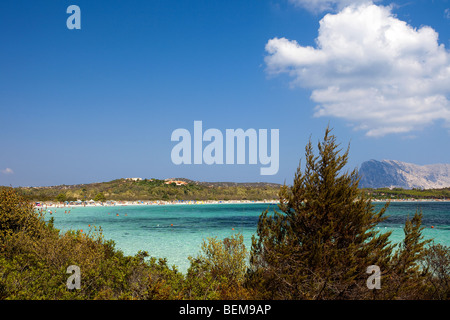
{"x":436,"y":266}
{"x":34,"y":257}
{"x":154,"y":189}
{"x":399,"y":193}
{"x":320,"y":245}
{"x":61,"y":197}
{"x":100,"y":197}
{"x":403,"y":277}
{"x":317,"y":246}
{"x":219,"y":272}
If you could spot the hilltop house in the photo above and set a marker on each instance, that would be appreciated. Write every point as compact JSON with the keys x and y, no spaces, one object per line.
{"x":177,"y":182}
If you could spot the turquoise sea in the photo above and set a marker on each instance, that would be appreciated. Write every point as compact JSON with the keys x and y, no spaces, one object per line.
{"x":176,"y":231}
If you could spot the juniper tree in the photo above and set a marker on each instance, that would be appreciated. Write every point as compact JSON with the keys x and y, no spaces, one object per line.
{"x":406,"y":278}
{"x":321,"y":241}
{"x":100,"y":197}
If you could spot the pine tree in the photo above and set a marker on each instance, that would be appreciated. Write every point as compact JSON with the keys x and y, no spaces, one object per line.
{"x":320,"y":245}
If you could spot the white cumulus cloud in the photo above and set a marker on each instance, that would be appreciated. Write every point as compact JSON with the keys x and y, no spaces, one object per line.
{"x":8,"y":171}
{"x":370,"y":68}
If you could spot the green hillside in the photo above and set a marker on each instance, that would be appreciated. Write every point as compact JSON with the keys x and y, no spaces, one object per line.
{"x":153,"y":189}
{"x":398,"y":193}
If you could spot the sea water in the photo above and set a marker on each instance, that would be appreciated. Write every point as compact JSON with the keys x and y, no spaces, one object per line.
{"x":177,"y":231}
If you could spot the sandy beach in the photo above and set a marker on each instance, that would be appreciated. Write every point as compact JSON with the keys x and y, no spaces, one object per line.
{"x":92,"y":203}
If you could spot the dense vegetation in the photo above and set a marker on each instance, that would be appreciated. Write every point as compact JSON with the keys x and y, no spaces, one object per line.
{"x":322,"y":241}
{"x":317,"y":246}
{"x":399,"y":193}
{"x":152,"y":189}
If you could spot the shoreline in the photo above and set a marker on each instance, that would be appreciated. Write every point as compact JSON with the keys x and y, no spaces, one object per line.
{"x":78,"y":204}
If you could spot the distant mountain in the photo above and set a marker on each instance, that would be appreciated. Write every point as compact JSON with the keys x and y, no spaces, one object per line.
{"x":397,"y":174}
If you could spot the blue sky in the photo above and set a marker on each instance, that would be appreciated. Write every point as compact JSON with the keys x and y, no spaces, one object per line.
{"x":100,"y":103}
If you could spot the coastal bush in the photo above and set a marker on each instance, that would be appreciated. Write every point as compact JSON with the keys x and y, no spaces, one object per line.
{"x":219,"y":271}
{"x":436,"y":264}
{"x":34,"y":257}
{"x":164,"y":282}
